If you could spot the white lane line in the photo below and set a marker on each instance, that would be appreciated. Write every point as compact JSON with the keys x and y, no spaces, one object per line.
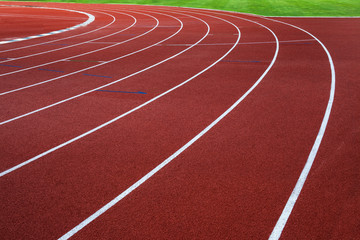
{"x":79,"y":55}
{"x":42,"y":16}
{"x":90,"y":19}
{"x":178,"y":152}
{"x":94,"y":66}
{"x":122,"y":115}
{"x":69,"y":46}
{"x":279,"y":227}
{"x":60,"y":39}
{"x":57,"y":49}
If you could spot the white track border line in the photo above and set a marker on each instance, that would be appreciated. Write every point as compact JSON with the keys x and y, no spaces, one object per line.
{"x":43,"y":16}
{"x":63,"y":59}
{"x":86,"y":53}
{"x":91,"y":18}
{"x":279,"y":227}
{"x":183,"y":148}
{"x":73,"y":45}
{"x":60,"y":39}
{"x":77,"y":44}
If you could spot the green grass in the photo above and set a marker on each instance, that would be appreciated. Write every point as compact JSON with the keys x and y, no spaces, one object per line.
{"x":261,"y":7}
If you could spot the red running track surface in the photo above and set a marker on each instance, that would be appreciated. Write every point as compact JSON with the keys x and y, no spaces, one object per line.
{"x":87,"y":113}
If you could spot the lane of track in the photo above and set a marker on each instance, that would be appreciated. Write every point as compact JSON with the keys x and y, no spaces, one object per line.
{"x":328,"y":206}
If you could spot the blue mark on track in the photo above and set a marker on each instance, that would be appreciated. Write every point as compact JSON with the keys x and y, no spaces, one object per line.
{"x":92,"y":75}
{"x":120,"y":91}
{"x":50,"y":70}
{"x":5,"y":65}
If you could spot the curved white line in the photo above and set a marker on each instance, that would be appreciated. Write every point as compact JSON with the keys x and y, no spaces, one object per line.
{"x":183,"y":148}
{"x":86,"y":53}
{"x":90,"y":19}
{"x":77,"y":44}
{"x":60,"y":39}
{"x":279,"y":227}
{"x":59,"y":60}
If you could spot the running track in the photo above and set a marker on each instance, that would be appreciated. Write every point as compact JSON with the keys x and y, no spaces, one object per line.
{"x":172,"y":123}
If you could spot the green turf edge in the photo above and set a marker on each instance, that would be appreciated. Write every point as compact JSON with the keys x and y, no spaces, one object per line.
{"x":316,"y":8}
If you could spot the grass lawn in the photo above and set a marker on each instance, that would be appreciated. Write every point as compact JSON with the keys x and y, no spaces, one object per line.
{"x":262,"y":7}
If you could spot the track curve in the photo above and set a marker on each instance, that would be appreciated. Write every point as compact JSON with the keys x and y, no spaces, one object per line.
{"x":161,"y":123}
{"x":90,"y":19}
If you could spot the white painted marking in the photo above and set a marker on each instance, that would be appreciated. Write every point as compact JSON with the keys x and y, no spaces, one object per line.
{"x":42,"y":16}
{"x":61,"y":48}
{"x":60,"y":39}
{"x":84,"y":69}
{"x":90,"y":19}
{"x":178,"y":152}
{"x":279,"y":227}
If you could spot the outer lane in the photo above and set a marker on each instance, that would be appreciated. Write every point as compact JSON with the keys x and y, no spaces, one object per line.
{"x":328,"y":207}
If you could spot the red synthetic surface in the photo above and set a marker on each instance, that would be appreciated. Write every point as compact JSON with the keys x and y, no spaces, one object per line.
{"x":233,"y":183}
